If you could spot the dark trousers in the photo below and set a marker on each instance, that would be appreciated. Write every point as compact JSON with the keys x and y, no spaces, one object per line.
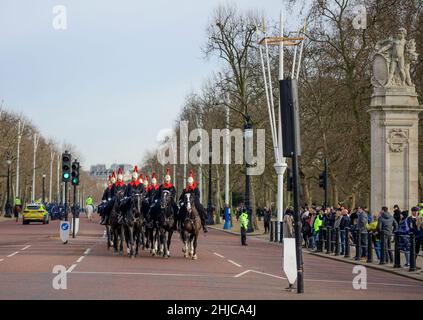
{"x":243,"y":236}
{"x":387,"y":248}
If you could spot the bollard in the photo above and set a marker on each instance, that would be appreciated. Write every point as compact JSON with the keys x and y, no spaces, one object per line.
{"x":369,"y":248}
{"x":271,"y":231}
{"x":337,"y":244}
{"x":397,"y":252}
{"x":281,"y":232}
{"x":358,"y":246}
{"x":412,"y":252}
{"x":320,"y":242}
{"x":276,"y":232}
{"x":328,"y":240}
{"x":382,"y":248}
{"x":347,"y":243}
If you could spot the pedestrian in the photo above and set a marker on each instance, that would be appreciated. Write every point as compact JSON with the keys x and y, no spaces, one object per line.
{"x":415,"y":222}
{"x":288,"y":224}
{"x":404,"y":238}
{"x":397,"y":213}
{"x":317,"y":224}
{"x":387,"y":224}
{"x":362,"y":221}
{"x":243,"y":224}
{"x":345,"y":223}
{"x":372,"y":228}
{"x":267,"y":219}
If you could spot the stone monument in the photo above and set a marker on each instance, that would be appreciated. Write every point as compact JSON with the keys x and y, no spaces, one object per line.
{"x":394,"y":113}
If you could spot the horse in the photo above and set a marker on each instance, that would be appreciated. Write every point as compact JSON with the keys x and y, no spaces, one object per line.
{"x":132,"y":223}
{"x":151,"y":227}
{"x":104,"y":208}
{"x":166,"y":225}
{"x":190,"y":226}
{"x":116,"y":226}
{"x":145,"y":207}
{"x":89,"y":210}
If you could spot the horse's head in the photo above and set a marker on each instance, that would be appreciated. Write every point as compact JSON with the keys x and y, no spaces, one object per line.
{"x":165,"y":199}
{"x":189,"y":202}
{"x":137,"y":199}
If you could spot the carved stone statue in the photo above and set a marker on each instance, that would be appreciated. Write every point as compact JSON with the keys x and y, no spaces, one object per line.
{"x":392,"y":61}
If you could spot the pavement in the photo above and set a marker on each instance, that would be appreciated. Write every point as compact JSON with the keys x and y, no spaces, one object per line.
{"x":224,"y":270}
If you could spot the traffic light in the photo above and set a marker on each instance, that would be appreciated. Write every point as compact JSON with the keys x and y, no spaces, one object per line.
{"x":75,"y":173}
{"x":323,"y":180}
{"x":66,"y":166}
{"x":289,"y":180}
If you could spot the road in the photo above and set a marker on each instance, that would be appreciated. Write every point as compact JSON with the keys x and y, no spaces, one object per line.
{"x":224,"y":270}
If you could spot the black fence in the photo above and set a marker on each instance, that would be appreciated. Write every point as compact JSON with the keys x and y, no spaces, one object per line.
{"x":386,"y":248}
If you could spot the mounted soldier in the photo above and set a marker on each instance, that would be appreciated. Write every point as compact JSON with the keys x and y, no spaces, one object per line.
{"x":193,"y":190}
{"x":167,"y":186}
{"x":119,"y":190}
{"x":105,"y":207}
{"x":135,"y":186}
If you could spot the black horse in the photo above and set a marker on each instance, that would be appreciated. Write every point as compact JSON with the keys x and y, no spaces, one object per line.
{"x":151,"y":228}
{"x":191,"y":226}
{"x":116,"y":225}
{"x":166,"y":222}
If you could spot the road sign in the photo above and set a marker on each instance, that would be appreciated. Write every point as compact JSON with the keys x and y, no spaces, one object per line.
{"x":64,"y":231}
{"x":290,"y":259}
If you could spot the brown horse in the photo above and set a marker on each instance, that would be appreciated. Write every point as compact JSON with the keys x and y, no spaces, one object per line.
{"x":191,"y":226}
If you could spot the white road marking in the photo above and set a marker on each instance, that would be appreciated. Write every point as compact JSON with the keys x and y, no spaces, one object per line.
{"x":242,"y":273}
{"x":71,"y":268}
{"x":80,"y":259}
{"x":87,"y":251}
{"x":13,"y":254}
{"x":140,"y":274}
{"x":234,"y":263}
{"x":23,"y":249}
{"x":219,"y":255}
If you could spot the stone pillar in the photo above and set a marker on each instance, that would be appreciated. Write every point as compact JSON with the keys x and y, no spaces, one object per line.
{"x":394,"y":149}
{"x":394,"y":113}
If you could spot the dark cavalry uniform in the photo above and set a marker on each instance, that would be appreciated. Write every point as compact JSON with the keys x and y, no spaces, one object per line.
{"x":168,"y":187}
{"x":134,"y":187}
{"x":196,"y":192}
{"x":107,"y":204}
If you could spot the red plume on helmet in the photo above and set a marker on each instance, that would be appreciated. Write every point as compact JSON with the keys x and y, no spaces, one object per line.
{"x":113,"y":174}
{"x":167,"y":171}
{"x":153,"y":176}
{"x":146,"y":177}
{"x":136,"y":169}
{"x":141,"y":176}
{"x":120,"y":171}
{"x":194,"y":184}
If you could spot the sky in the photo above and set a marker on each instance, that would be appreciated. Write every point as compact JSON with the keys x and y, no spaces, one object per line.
{"x":115,"y":77}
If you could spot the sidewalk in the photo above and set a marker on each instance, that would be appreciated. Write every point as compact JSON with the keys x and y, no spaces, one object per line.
{"x":259,"y":234}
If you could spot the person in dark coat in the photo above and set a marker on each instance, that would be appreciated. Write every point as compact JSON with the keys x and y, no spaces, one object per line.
{"x":118,"y":191}
{"x":397,"y":213}
{"x":135,"y":186}
{"x":193,"y":189}
{"x":104,"y":207}
{"x":362,"y":221}
{"x":386,"y":224}
{"x":167,"y":186}
{"x":267,"y":219}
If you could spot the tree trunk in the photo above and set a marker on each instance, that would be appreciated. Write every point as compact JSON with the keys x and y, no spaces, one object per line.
{"x":253,"y":205}
{"x":218,"y":198}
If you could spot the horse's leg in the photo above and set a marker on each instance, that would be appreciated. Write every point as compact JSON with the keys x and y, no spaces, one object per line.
{"x":169,"y":240}
{"x":116,"y":239}
{"x":131,"y":241}
{"x":194,"y":257}
{"x":122,"y":239}
{"x":191,"y":245}
{"x":163,"y":241}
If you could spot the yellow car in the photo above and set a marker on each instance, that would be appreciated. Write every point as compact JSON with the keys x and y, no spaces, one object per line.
{"x":35,"y":212}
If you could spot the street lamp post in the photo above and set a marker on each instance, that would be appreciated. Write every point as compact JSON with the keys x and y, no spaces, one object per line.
{"x":248,"y":134}
{"x":44,"y":189}
{"x":8,"y":206}
{"x":210,"y":218}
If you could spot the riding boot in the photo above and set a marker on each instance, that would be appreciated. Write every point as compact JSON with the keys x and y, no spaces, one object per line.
{"x":203,"y":224}
{"x":103,"y":220}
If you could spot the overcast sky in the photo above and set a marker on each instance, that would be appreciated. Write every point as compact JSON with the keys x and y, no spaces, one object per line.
{"x":118,"y":74}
